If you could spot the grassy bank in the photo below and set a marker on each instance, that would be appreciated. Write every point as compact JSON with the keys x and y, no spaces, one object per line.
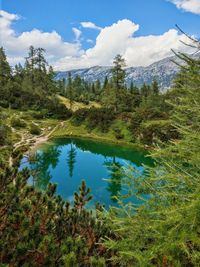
{"x":21,"y":138}
{"x":67,"y":129}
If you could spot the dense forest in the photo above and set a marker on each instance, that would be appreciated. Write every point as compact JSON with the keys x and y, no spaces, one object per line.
{"x":38,"y":228}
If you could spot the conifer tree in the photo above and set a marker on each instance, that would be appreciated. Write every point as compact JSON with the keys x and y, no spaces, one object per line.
{"x":155,"y":88}
{"x":5,"y":77}
{"x":5,"y":70}
{"x":118,"y":72}
{"x":70,"y":89}
{"x":163,"y":231}
{"x":145,"y":91}
{"x":105,"y":84}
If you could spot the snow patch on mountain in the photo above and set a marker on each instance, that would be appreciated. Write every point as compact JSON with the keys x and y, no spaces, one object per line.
{"x":164,"y":71}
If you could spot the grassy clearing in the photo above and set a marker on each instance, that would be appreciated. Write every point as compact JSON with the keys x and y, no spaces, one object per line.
{"x":77,"y":105}
{"x":67,"y":129}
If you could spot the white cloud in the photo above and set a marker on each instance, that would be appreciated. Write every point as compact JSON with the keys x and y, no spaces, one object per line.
{"x":16,"y":45}
{"x":192,"y":6}
{"x":138,"y":51}
{"x":111,"y":40}
{"x":90,"y":41}
{"x":90,"y":25}
{"x":77,"y":33}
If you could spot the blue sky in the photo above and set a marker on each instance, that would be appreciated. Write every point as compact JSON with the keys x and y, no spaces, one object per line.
{"x":154,"y":17}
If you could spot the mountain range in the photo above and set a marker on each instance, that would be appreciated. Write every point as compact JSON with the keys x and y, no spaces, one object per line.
{"x":163,"y":71}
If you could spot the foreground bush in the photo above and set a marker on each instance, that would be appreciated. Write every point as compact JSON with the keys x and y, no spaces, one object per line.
{"x":40,"y":229}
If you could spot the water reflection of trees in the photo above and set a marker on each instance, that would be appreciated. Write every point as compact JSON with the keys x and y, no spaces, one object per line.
{"x":71,"y":159}
{"x":40,"y":164}
{"x":115,"y":178}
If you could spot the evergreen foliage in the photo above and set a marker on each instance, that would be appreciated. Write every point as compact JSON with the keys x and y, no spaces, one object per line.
{"x":40,"y":229}
{"x":164,"y":230}
{"x":31,"y":86}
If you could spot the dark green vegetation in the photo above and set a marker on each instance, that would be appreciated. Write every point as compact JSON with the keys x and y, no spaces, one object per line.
{"x":166,"y":230}
{"x":144,"y":111}
{"x":31,"y":86}
{"x":39,"y":229}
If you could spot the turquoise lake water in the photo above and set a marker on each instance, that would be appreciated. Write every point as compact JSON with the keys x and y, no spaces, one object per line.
{"x":67,"y":162}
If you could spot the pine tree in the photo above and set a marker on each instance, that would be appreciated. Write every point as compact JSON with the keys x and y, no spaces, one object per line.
{"x":30,"y":65}
{"x":70,"y":89}
{"x":5,"y":70}
{"x":40,"y":60}
{"x":118,"y":80}
{"x":97,"y":87}
{"x":105,"y":84}
{"x":145,"y":91}
{"x":5,"y":78}
{"x":155,"y":88}
{"x":136,"y":96}
{"x":118,"y":72}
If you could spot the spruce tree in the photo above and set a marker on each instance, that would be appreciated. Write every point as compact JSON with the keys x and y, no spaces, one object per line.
{"x":5,"y":79}
{"x":5,"y":70}
{"x":70,"y":89}
{"x":118,"y":72}
{"x":155,"y":88}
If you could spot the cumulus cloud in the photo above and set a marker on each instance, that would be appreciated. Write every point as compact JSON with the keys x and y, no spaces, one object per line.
{"x":117,"y":38}
{"x":16,"y":45}
{"x":192,"y":6}
{"x":90,"y":25}
{"x":137,"y":51}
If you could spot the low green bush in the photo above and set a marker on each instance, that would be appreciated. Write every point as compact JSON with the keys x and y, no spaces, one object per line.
{"x":155,"y":130}
{"x":79,"y":116}
{"x":35,"y":129}
{"x":16,"y":122}
{"x":118,"y":133}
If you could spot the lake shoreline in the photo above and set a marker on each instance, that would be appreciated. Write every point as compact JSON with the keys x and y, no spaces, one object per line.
{"x":100,"y":140}
{"x":58,"y":132}
{"x":68,"y":130}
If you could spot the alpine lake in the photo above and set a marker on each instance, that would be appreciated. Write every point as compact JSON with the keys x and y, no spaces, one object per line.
{"x":66,"y":162}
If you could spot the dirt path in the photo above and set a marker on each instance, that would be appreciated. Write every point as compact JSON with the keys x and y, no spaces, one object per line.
{"x":33,"y":141}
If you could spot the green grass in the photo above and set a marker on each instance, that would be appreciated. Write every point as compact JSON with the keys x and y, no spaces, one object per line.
{"x":69,"y":130}
{"x":77,"y":105}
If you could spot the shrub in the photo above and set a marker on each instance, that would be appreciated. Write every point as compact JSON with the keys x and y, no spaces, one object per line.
{"x":34,"y":129}
{"x":18,"y":123}
{"x":38,"y":114}
{"x":5,"y":134}
{"x":100,"y":118}
{"x":153,"y":131}
{"x":56,"y":233}
{"x":57,"y":110}
{"x":118,"y":133}
{"x":4,"y":103}
{"x":79,"y":116}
